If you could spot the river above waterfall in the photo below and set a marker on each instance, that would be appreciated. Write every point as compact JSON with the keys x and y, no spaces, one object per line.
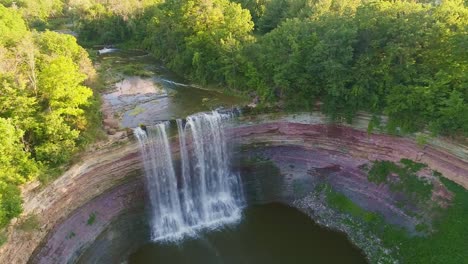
{"x":142,"y":91}
{"x":190,"y":205}
{"x":268,"y":234}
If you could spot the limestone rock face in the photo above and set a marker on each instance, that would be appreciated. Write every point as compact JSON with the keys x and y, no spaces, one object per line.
{"x":305,"y":156}
{"x":97,"y":175}
{"x":450,"y":160}
{"x":301,"y":151}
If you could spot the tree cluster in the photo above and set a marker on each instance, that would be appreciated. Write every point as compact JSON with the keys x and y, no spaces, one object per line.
{"x":108,"y":21}
{"x":42,"y":104}
{"x":403,"y":59}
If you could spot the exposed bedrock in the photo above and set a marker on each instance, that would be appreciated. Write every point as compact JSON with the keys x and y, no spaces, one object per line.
{"x":91,"y":185}
{"x":281,"y":159}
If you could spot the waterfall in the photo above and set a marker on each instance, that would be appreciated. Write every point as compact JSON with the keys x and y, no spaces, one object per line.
{"x":207,"y":193}
{"x":166,"y":214}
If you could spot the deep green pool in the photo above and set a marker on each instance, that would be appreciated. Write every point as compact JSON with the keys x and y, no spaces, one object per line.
{"x":272,"y":233}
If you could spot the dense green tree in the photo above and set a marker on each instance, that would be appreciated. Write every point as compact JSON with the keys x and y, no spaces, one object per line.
{"x":200,"y":37}
{"x":42,"y":104}
{"x":109,"y":21}
{"x":405,"y":59}
{"x":277,"y":11}
{"x":256,"y":7}
{"x":40,"y":9}
{"x":52,"y":44}
{"x":36,"y":10}
{"x":408,"y":63}
{"x":15,"y":168}
{"x":12,"y":27}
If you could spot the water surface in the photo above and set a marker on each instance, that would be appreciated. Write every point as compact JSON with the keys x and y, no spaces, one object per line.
{"x":269,"y":234}
{"x":142,"y":91}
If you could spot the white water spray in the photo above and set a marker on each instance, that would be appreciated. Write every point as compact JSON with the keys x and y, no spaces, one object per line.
{"x":207,"y":194}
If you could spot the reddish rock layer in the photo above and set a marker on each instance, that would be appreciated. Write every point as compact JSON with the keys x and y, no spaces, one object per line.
{"x":354,"y":143}
{"x":329,"y":149}
{"x":96,"y":174}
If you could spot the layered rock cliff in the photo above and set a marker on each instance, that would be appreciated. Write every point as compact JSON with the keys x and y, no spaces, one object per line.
{"x":282,"y":158}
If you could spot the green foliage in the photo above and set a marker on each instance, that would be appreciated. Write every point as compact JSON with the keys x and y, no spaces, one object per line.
{"x":257,"y":8}
{"x":277,"y":11}
{"x":36,"y":12}
{"x":374,"y":122}
{"x":15,"y":164}
{"x":53,"y":45}
{"x":446,"y":240}
{"x":136,"y":70}
{"x":201,"y":39}
{"x":407,"y":182}
{"x":421,"y":139}
{"x":108,"y":22}
{"x":12,"y":27}
{"x":91,"y":218}
{"x":102,"y":24}
{"x":380,"y":171}
{"x":424,"y":228}
{"x":43,"y":104}
{"x":342,"y":203}
{"x":447,"y":244}
{"x":3,"y":238}
{"x":412,"y":166}
{"x":15,"y":168}
{"x":10,"y":203}
{"x":409,"y":64}
{"x":71,"y":235}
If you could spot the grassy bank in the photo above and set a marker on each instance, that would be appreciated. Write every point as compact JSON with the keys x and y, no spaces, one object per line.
{"x":443,"y":242}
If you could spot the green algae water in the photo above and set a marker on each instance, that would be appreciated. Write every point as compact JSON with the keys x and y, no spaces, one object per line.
{"x":272,"y":233}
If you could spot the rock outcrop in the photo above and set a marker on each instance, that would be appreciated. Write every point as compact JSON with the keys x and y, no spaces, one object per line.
{"x":282,"y":159}
{"x":83,"y":187}
{"x":306,"y":155}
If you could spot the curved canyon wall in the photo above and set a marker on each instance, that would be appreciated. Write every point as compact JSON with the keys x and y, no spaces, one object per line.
{"x":282,"y":158}
{"x":75,"y":195}
{"x":290,"y":159}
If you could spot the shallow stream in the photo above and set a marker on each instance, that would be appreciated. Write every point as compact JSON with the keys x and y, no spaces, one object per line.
{"x":142,"y":91}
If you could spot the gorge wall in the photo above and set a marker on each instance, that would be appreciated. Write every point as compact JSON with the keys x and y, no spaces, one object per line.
{"x":282,"y":158}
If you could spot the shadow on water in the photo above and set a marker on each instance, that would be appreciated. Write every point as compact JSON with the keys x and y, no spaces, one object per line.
{"x":272,"y":233}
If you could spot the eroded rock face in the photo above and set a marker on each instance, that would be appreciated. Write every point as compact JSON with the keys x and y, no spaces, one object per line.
{"x":95,"y":176}
{"x":448,"y":159}
{"x":281,"y":159}
{"x":308,"y":155}
{"x":82,"y":227}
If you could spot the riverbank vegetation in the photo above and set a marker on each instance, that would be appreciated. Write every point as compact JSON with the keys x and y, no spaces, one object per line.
{"x":403,"y":59}
{"x":45,"y":106}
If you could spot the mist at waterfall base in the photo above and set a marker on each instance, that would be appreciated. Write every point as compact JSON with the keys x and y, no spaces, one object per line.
{"x":207,"y":194}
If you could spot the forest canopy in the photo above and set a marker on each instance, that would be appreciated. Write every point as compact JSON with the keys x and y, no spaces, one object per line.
{"x":42,"y":104}
{"x":403,"y":59}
